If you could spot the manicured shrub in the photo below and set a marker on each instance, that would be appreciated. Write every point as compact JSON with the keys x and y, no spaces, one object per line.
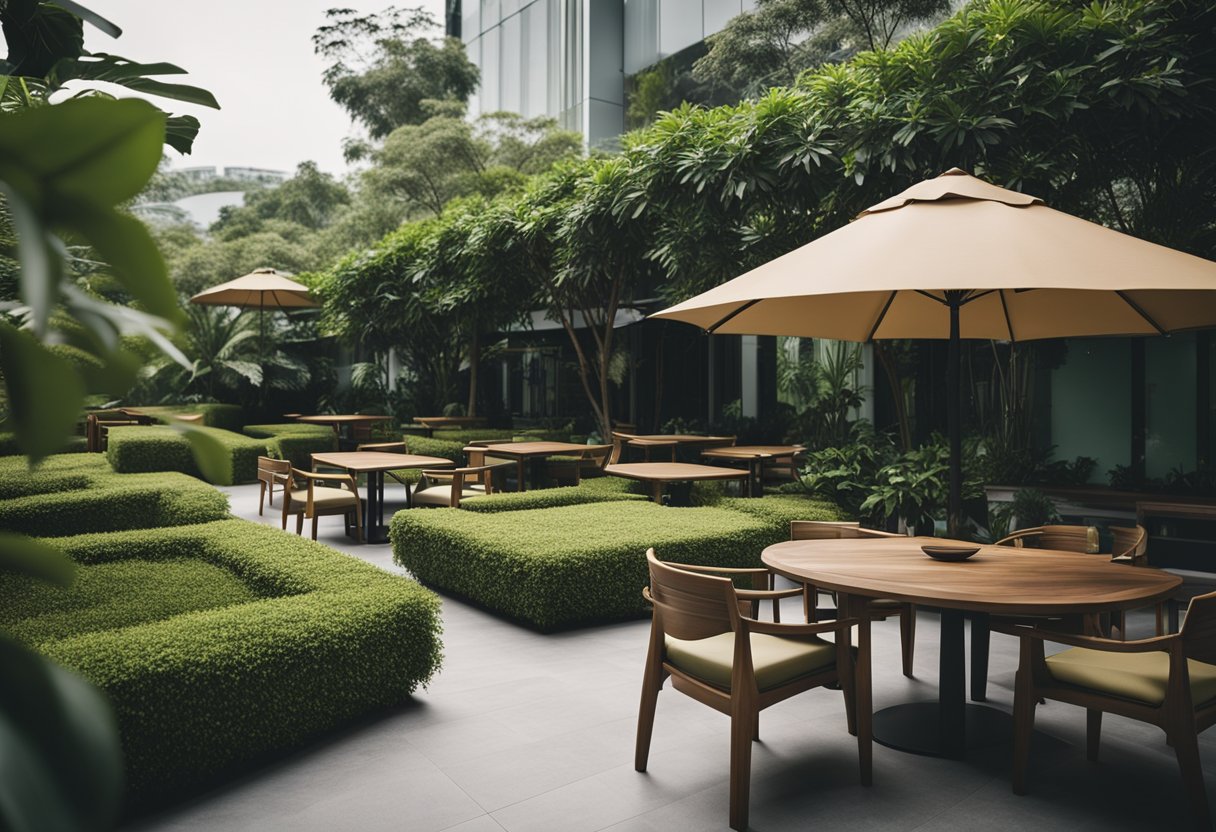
{"x":73,"y":445}
{"x":223,"y":416}
{"x":571,"y":565}
{"x":54,"y":474}
{"x":295,"y":441}
{"x":142,"y":449}
{"x":112,"y":503}
{"x":445,"y":448}
{"x":203,"y":694}
{"x":777,"y":510}
{"x":600,"y":490}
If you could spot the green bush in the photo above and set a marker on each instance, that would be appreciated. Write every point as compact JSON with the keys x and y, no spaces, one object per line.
{"x":113,"y":503}
{"x":56,"y":473}
{"x":777,"y":510}
{"x":73,"y":445}
{"x":203,"y":694}
{"x":445,"y":448}
{"x":142,"y":449}
{"x":559,"y":567}
{"x":223,"y":416}
{"x":295,"y":441}
{"x":601,"y":490}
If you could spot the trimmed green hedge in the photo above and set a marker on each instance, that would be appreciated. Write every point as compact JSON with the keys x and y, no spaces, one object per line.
{"x":223,"y":416}
{"x":63,"y":472}
{"x":777,"y":510}
{"x":73,"y":445}
{"x":206,"y":693}
{"x":295,"y":441}
{"x":600,"y":490}
{"x":112,"y":503}
{"x":559,"y":567}
{"x":143,"y":449}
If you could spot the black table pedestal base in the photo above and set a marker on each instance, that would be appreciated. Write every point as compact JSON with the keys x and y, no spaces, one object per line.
{"x":915,"y":728}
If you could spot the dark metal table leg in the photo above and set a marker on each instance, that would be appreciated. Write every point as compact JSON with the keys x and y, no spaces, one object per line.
{"x":979,"y":656}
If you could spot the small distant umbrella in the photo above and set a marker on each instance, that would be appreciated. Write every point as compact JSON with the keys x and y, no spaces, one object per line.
{"x":261,"y":289}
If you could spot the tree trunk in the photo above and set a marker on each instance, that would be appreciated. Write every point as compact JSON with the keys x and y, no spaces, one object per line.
{"x":474,"y":362}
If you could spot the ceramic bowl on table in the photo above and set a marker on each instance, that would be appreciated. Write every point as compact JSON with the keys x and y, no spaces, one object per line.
{"x":949,"y":553}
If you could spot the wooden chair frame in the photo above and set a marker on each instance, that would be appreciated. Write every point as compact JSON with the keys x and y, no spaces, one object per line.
{"x":1180,"y":718}
{"x":271,"y":472}
{"x":313,"y":511}
{"x":690,"y":606}
{"x":880,"y":609}
{"x":460,"y":478}
{"x":595,"y":458}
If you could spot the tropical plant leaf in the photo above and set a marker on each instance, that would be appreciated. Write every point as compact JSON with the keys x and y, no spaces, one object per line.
{"x":44,"y":393}
{"x":209,"y":453}
{"x":27,"y":556}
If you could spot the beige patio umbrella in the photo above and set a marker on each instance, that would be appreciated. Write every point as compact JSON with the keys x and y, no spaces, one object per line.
{"x":261,"y":289}
{"x":957,"y":257}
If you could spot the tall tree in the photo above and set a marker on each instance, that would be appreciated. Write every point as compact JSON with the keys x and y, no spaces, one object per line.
{"x":383,"y":66}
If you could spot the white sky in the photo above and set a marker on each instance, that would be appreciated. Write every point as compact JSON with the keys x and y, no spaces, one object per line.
{"x":256,"y":58}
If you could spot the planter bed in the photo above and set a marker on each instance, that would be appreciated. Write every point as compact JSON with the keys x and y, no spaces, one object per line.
{"x":257,"y":640}
{"x":143,"y":449}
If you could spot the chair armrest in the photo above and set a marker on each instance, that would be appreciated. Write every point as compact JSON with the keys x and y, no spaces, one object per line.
{"x":448,"y":472}
{"x":1018,"y":535}
{"x":720,"y":570}
{"x":328,"y":477}
{"x":765,"y":594}
{"x":773,"y":629}
{"x":1144,"y":645}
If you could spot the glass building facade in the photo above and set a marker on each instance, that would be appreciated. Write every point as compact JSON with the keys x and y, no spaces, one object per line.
{"x":568,"y":59}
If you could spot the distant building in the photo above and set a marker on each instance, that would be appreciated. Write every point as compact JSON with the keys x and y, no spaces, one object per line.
{"x":568,"y":59}
{"x":200,"y":173}
{"x":256,"y":174}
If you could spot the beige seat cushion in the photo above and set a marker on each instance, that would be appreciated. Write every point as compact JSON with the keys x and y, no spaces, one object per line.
{"x":777,"y":660}
{"x":441,"y":495}
{"x":1141,"y":677}
{"x":324,"y":498}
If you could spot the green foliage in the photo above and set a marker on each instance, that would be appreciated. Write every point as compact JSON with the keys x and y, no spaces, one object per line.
{"x":824,"y":391}
{"x":201,"y":695}
{"x":845,"y":474}
{"x":145,"y":449}
{"x":224,"y":416}
{"x":1033,"y":508}
{"x":601,"y":490}
{"x":109,"y":596}
{"x":135,"y":501}
{"x":915,"y":487}
{"x":384,"y":68}
{"x":295,"y":441}
{"x":310,"y":199}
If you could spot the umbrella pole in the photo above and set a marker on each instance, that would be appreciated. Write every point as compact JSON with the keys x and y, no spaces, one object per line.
{"x":954,"y":416}
{"x":262,"y":356}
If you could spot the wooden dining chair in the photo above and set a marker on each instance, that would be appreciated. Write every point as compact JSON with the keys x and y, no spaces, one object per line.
{"x":1083,"y":539}
{"x":446,"y":487}
{"x":739,"y":666}
{"x":880,"y":609}
{"x":572,"y":469}
{"x":306,"y":496}
{"x":1167,"y":681}
{"x":271,"y":473}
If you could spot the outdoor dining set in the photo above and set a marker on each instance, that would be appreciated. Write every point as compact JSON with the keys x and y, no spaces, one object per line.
{"x":490,"y":464}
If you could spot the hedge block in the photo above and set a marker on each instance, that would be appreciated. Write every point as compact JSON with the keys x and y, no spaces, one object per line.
{"x":113,"y":503}
{"x":205,"y":693}
{"x":294,"y":441}
{"x":600,"y":490}
{"x":143,"y":449}
{"x":223,"y":416}
{"x":559,"y":567}
{"x":71,"y":445}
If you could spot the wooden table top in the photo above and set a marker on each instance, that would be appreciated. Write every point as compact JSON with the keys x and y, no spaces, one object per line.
{"x":341,"y":418}
{"x":179,"y":417}
{"x":440,"y":421}
{"x":677,"y":439}
{"x":377,"y":461}
{"x":744,"y":451}
{"x":672,"y":472}
{"x":524,"y":449}
{"x":997,"y":579}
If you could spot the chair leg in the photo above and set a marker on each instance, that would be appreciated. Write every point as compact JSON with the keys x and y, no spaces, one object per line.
{"x":1024,"y":702}
{"x":652,"y":683}
{"x":1093,"y":733}
{"x":1186,"y":747}
{"x":314,"y":527}
{"x":299,"y":523}
{"x":742,"y":723}
{"x":907,"y":637}
{"x":262,"y":497}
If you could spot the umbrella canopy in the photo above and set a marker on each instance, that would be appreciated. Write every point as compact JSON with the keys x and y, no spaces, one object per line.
{"x":260,"y":289}
{"x":956,"y":257}
{"x":1027,"y":272}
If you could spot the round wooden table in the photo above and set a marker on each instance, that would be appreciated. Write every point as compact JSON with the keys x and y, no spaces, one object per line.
{"x":996,"y":580}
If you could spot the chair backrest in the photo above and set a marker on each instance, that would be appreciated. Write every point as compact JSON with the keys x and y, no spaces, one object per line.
{"x":600,"y":455}
{"x":1128,"y":541}
{"x":1083,"y":539}
{"x":833,"y":530}
{"x":268,"y":465}
{"x":618,"y":447}
{"x":690,"y":606}
{"x":1198,"y":632}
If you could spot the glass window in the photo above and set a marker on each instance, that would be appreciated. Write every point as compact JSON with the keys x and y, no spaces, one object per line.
{"x":641,"y":34}
{"x":490,"y":71}
{"x":718,"y":13}
{"x":553,"y":64}
{"x":1170,"y":373}
{"x":572,"y":56}
{"x":470,"y":26}
{"x":510,"y":83}
{"x":510,"y":7}
{"x":679,"y":25}
{"x":536,"y":60}
{"x":1096,"y":370}
{"x":473,"y":49}
{"x":491,"y":13}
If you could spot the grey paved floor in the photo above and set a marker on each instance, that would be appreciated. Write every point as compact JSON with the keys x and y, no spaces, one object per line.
{"x":523,"y":732}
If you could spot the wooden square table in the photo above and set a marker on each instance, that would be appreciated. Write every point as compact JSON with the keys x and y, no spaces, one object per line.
{"x":533,"y":452}
{"x":659,"y":474}
{"x":755,"y":456}
{"x":338,"y":421}
{"x":374,"y":464}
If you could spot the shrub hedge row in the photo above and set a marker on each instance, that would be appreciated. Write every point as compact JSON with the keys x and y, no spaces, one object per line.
{"x":204,"y":693}
{"x":72,"y":445}
{"x":575,"y":564}
{"x":223,"y":416}
{"x":295,"y":441}
{"x":143,"y":449}
{"x":599,"y":490}
{"x":103,"y":503}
